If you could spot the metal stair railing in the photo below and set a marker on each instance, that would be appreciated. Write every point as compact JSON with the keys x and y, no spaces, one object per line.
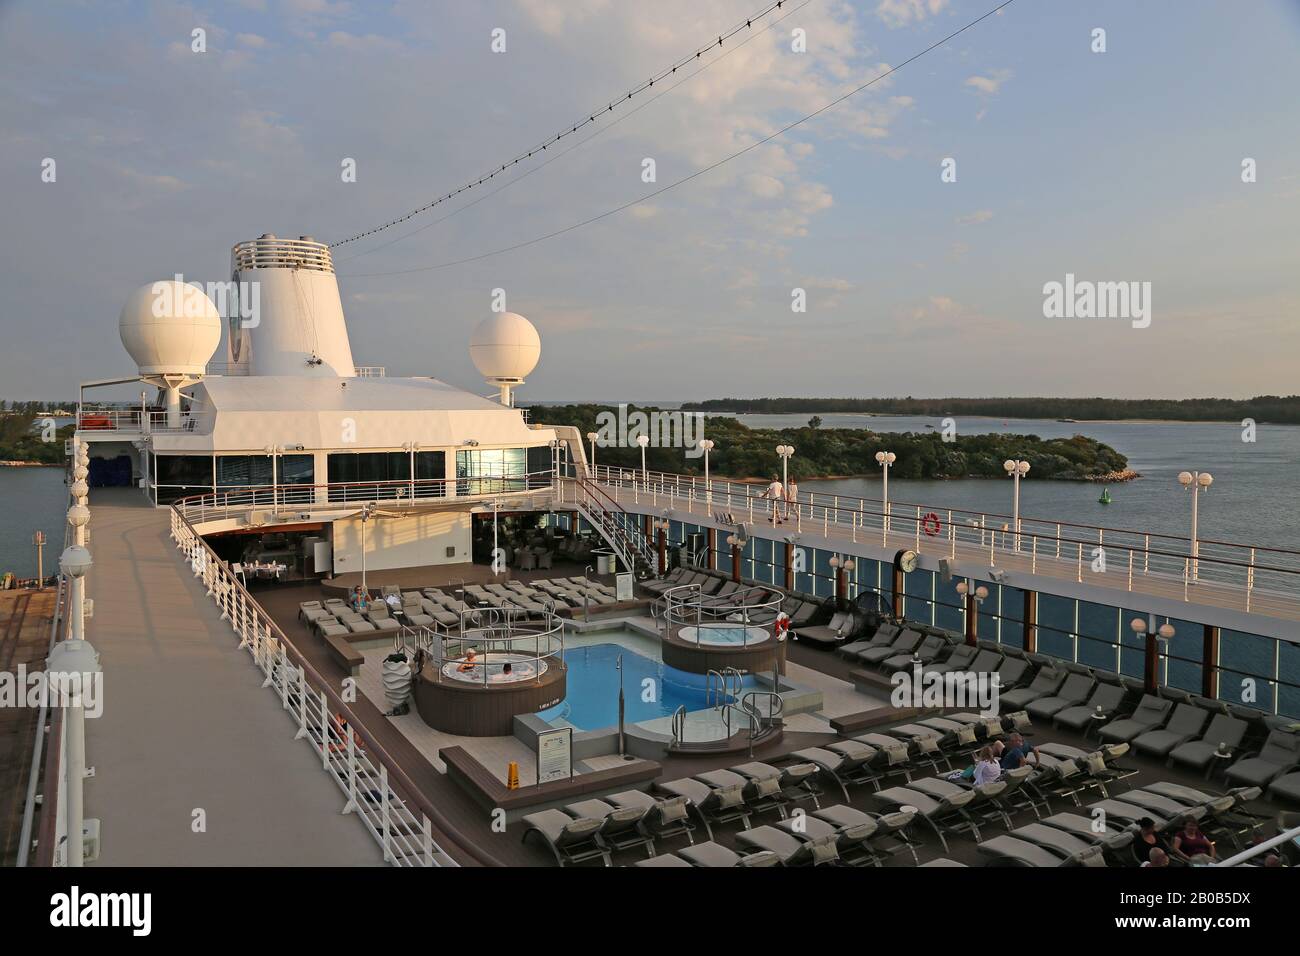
{"x":601,"y":510}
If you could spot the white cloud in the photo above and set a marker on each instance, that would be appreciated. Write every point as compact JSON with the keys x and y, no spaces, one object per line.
{"x":900,"y":13}
{"x":974,"y":218}
{"x":988,"y":85}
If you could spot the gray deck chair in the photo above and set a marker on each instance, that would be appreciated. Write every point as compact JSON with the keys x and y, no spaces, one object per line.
{"x":1286,"y":788}
{"x":1073,"y":692}
{"x":852,"y":843}
{"x":927,"y":653}
{"x":1101,"y":706}
{"x":330,"y":627}
{"x":893,"y":755}
{"x":986,"y":661}
{"x":984,"y":807}
{"x":714,"y":855}
{"x":1226,"y":814}
{"x":1045,"y":683}
{"x":390,"y":589}
{"x":1010,"y":851}
{"x":906,"y":642}
{"x":711,"y":805}
{"x":1012,"y":672}
{"x":943,"y":861}
{"x":1151,"y":713}
{"x":1050,"y":838}
{"x":377,"y":614}
{"x":1187,"y":722}
{"x":620,"y":826}
{"x":958,"y":660}
{"x":890,"y":835}
{"x":943,"y":815}
{"x":675,"y":577}
{"x":834,"y":631}
{"x":791,"y":850}
{"x":883,"y":637}
{"x":1113,"y":839}
{"x":1280,"y":754}
{"x":663,"y":818}
{"x":309,"y":611}
{"x":569,"y":840}
{"x":1168,"y":808}
{"x":664,"y":859}
{"x":844,"y":769}
{"x":805,"y":613}
{"x":1127,"y":813}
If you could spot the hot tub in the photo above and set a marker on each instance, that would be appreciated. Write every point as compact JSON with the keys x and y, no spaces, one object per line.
{"x":521,"y":669}
{"x":724,"y":635}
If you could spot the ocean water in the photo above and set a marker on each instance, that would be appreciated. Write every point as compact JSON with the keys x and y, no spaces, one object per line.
{"x":31,"y":499}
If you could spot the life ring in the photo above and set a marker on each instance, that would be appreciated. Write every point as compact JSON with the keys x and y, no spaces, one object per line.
{"x":931,"y":524}
{"x":782,"y":625}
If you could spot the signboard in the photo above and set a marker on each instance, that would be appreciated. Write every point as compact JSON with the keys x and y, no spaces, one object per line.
{"x":623,"y":586}
{"x":555,"y":754}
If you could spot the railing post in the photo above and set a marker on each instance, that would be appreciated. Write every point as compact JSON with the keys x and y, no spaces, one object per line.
{"x":283,"y":680}
{"x":426,"y":834}
{"x":324,"y":732}
{"x":351,"y":805}
{"x":302,"y":704}
{"x":268,"y":663}
{"x":384,"y":816}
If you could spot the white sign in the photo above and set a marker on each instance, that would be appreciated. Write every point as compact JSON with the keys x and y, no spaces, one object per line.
{"x":623,"y":586}
{"x":555,"y":754}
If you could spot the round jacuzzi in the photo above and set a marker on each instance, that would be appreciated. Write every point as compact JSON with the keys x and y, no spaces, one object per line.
{"x":724,"y":635}
{"x":491,"y":669}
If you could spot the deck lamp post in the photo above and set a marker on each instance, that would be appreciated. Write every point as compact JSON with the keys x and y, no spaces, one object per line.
{"x":367,"y":510}
{"x":842,"y":567}
{"x":272,"y":451}
{"x":411,"y":447}
{"x":737,"y":542}
{"x":706,"y":445}
{"x":1147,"y":629}
{"x":644,"y":440}
{"x":974,"y":598}
{"x":786,"y":452}
{"x":1016,"y":469}
{"x":885,"y":459}
{"x":591,"y":438}
{"x":72,"y":666}
{"x":1195,"y":481}
{"x":661,"y":526}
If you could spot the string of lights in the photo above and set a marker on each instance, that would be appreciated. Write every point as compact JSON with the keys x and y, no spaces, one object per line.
{"x":609,"y":107}
{"x":699,"y":172}
{"x":664,"y":91}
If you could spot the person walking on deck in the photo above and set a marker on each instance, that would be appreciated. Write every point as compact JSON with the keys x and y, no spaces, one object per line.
{"x":777,"y":494}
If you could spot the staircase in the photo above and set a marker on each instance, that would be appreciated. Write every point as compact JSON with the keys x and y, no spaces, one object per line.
{"x":612,"y":521}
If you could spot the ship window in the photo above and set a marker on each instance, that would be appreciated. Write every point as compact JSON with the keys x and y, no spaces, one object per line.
{"x":368,"y":471}
{"x":245,"y":471}
{"x":491,"y":470}
{"x":179,"y":476}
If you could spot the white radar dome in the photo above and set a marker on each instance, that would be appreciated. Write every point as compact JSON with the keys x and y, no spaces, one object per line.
{"x":505,"y":345}
{"x":170,"y":328}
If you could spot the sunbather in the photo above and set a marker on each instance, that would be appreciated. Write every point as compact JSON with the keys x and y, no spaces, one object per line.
{"x":1190,"y":841}
{"x":469,"y":663}
{"x":1149,"y":843}
{"x":1018,"y":753}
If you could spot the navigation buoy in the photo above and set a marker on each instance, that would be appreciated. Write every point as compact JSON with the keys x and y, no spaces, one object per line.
{"x":1105,"y":496}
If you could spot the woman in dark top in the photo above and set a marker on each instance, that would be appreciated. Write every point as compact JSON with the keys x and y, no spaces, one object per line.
{"x":1147,"y":840}
{"x":1190,"y":841}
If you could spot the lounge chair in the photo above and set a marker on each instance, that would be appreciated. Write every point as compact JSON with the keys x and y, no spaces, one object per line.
{"x":1151,"y":713}
{"x":1012,"y":672}
{"x":711,"y":804}
{"x":833,"y":632}
{"x":310,"y":611}
{"x":852,"y":843}
{"x":620,"y":826}
{"x":663,"y":818}
{"x":711,"y":855}
{"x":791,"y":850}
{"x":664,"y":859}
{"x":569,"y":840}
{"x":1101,"y":706}
{"x":1227,"y":814}
{"x":377,"y":614}
{"x":330,"y":627}
{"x":1073,"y":693}
{"x":1286,"y":787}
{"x":942,"y":861}
{"x":1010,"y":851}
{"x":927,"y":653}
{"x":355,"y":623}
{"x":847,"y":762}
{"x":1045,"y":683}
{"x":958,"y":660}
{"x":1114,"y":840}
{"x":1051,"y":838}
{"x":943,"y":815}
{"x":906,"y":642}
{"x":883,"y":637}
{"x":1186,"y":723}
{"x":1280,"y":753}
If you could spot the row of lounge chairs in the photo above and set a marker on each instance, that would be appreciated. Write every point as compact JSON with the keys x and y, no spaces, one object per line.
{"x":720,"y":596}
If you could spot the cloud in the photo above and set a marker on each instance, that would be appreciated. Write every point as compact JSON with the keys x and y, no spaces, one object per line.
{"x":988,"y":85}
{"x":900,"y":13}
{"x":975,"y":218}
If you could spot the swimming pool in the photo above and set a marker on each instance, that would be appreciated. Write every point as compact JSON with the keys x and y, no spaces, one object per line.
{"x":592,"y":699}
{"x":724,"y":635}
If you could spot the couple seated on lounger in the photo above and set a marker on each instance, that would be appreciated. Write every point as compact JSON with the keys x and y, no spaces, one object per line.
{"x":359,"y":599}
{"x":996,"y":758}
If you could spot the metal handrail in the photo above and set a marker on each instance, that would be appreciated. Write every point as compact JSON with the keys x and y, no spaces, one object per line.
{"x":29,"y":806}
{"x":1285,"y":836}
{"x":293,"y":676}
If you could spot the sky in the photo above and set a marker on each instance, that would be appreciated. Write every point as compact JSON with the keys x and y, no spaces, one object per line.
{"x":1117,"y":166}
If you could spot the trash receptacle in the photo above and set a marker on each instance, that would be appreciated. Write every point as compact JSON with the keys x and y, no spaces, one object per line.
{"x":604,"y":560}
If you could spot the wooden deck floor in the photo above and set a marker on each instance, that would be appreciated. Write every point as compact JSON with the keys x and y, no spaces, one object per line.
{"x":25,"y":619}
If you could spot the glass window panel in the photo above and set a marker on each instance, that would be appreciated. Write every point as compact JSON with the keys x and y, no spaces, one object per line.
{"x":1098,"y":631}
{"x":1250,"y":657}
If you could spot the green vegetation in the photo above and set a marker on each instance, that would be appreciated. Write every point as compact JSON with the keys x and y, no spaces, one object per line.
{"x":1264,"y":408}
{"x":743,"y":452}
{"x":21,"y":439}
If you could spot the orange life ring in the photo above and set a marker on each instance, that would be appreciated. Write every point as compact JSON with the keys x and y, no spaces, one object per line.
{"x":782,"y":624}
{"x":931,"y":524}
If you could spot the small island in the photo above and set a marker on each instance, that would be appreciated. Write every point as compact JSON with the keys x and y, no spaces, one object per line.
{"x":23,"y":444}
{"x":747,"y":453}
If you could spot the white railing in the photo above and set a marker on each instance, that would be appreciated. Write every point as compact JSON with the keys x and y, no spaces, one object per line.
{"x":376,"y":789}
{"x":1223,"y":574}
{"x":371,"y":371}
{"x":104,"y":418}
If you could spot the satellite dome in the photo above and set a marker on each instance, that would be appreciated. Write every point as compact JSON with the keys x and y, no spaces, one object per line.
{"x":170,"y":328}
{"x":505,"y":346}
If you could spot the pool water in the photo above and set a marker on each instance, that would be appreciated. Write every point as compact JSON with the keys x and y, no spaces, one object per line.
{"x":724,"y":635}
{"x":592,"y":699}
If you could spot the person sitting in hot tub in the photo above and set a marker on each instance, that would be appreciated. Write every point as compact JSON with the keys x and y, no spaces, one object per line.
{"x":469,"y":663}
{"x":507,"y":673}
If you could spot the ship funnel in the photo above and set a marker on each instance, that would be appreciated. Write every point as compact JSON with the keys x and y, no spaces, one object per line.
{"x":290,"y":320}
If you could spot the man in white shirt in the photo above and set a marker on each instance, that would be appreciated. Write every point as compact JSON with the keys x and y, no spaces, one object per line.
{"x":777,"y":494}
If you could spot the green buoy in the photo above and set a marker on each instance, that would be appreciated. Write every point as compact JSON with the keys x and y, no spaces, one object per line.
{"x":1105,"y":496}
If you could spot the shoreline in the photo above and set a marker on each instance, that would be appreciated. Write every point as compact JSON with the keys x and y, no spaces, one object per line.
{"x":4,"y":463}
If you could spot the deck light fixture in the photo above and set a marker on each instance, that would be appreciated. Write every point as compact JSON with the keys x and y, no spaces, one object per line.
{"x":706,"y":445}
{"x":1196,"y":482}
{"x":591,"y":438}
{"x":885,"y":459}
{"x":1016,"y":469}
{"x":643,"y":440}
